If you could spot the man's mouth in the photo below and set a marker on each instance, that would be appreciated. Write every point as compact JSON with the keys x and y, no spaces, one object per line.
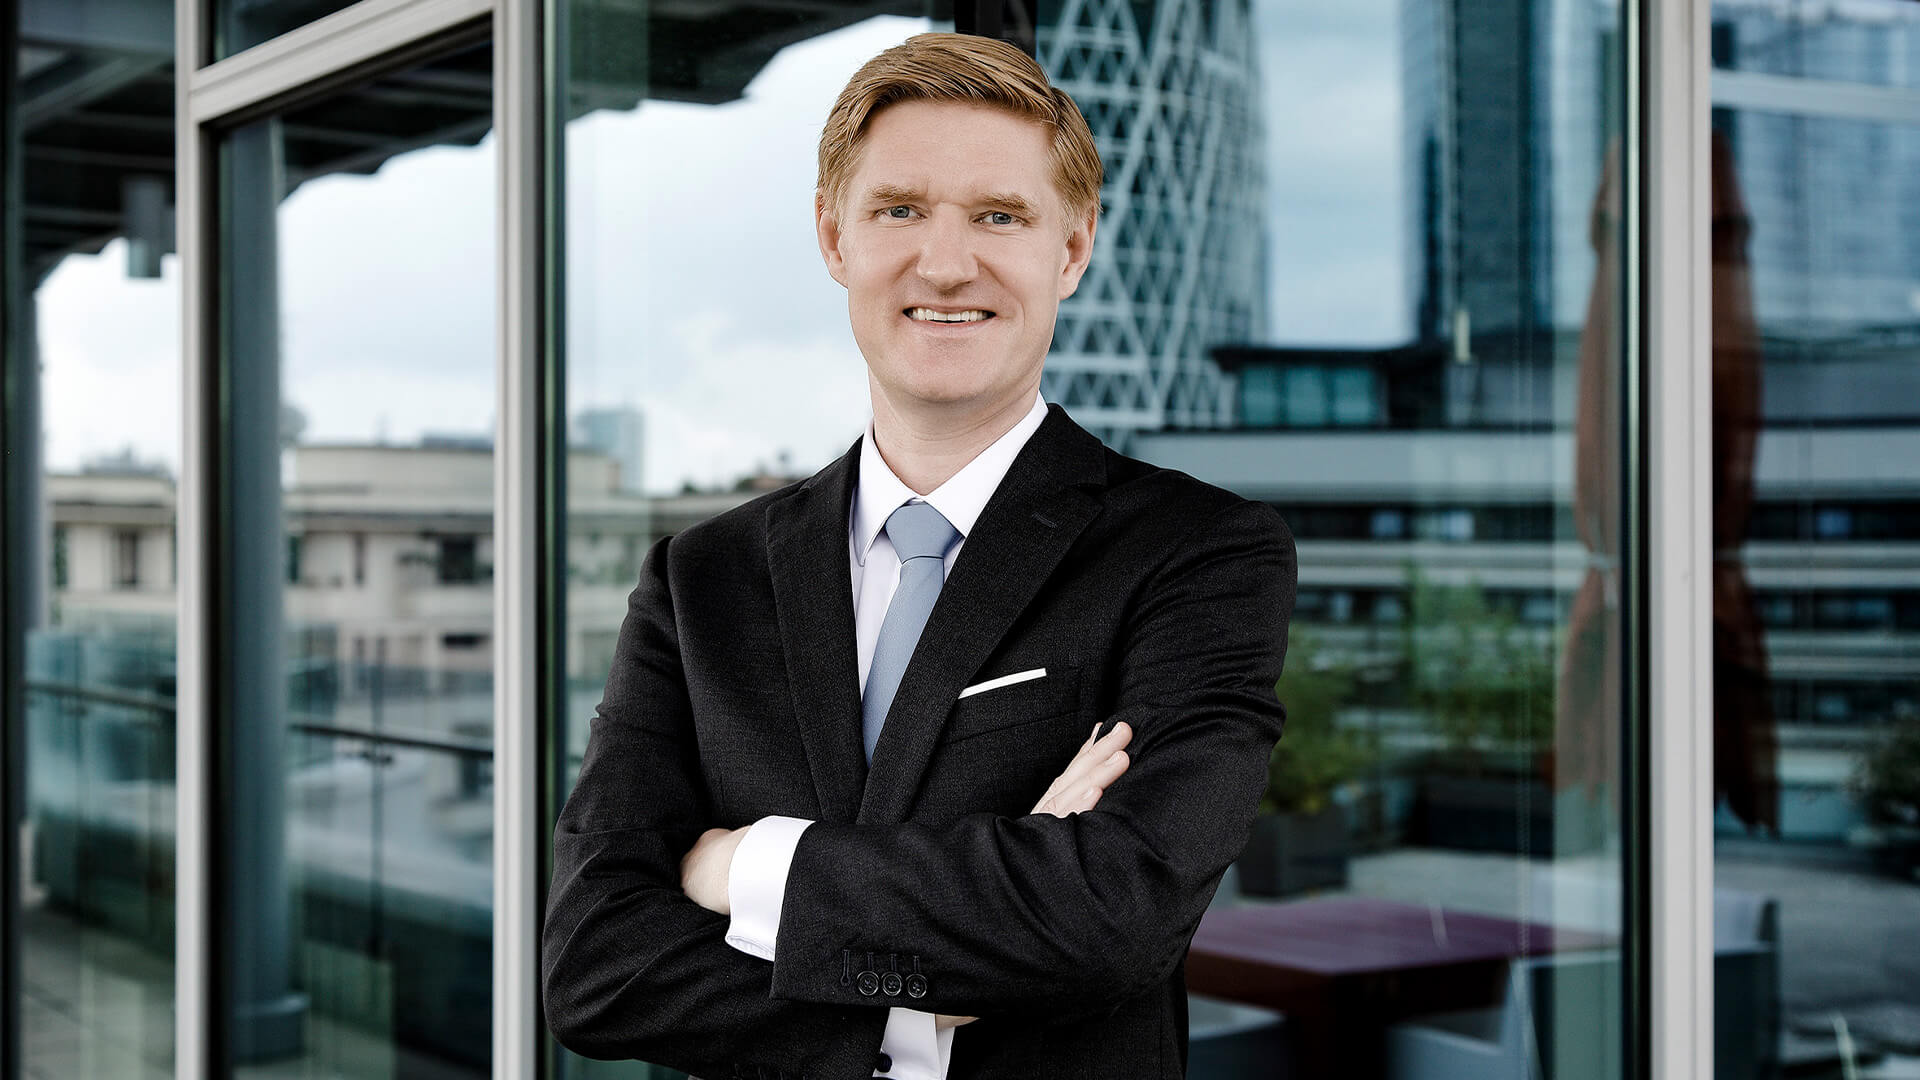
{"x":921,"y":314}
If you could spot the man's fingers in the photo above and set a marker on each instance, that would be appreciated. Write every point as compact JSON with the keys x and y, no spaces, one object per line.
{"x":1092,"y":755}
{"x":1080,"y":788}
{"x":1095,"y":753}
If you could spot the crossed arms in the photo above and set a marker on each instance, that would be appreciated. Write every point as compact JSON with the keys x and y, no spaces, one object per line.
{"x":1052,"y":918}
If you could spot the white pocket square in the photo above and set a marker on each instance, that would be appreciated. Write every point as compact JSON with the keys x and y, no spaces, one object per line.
{"x":1004,"y":680}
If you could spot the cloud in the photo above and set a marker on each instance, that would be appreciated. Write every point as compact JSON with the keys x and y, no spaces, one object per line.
{"x":695,"y":289}
{"x":110,"y":360}
{"x":1331,"y":85}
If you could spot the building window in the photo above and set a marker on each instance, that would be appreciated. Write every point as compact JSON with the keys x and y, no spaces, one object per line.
{"x":1833,"y":523}
{"x":293,"y":559}
{"x":1260,"y":397}
{"x":1340,"y":606}
{"x":462,"y":641}
{"x":359,"y":558}
{"x":126,"y":558}
{"x":1453,"y":525}
{"x":1304,"y":395}
{"x":59,"y":556}
{"x":1355,"y":396}
{"x":1389,"y":525}
{"x":459,"y":562}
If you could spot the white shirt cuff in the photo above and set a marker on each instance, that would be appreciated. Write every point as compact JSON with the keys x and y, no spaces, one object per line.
{"x":757,"y":882}
{"x":918,"y":1051}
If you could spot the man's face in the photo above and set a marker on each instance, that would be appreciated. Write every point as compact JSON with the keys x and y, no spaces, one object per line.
{"x":952,"y":212}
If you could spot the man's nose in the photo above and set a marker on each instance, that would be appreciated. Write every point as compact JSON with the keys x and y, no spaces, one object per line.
{"x":946,"y":252}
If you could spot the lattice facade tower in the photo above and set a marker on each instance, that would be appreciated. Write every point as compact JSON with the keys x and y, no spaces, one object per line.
{"x":1179,"y":261}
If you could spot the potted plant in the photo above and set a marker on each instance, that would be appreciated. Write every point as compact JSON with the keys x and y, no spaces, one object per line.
{"x":1300,"y":838}
{"x":1486,"y":685}
{"x":1887,"y":783}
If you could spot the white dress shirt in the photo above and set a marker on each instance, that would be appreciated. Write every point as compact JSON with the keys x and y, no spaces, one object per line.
{"x":757,"y":880}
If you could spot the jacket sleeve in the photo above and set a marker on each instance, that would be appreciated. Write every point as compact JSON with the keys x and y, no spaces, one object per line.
{"x":632,"y":968}
{"x":1049,"y":916}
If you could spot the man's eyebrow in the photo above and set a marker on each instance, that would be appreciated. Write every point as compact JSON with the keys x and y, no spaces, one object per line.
{"x":892,"y":194}
{"x":1008,"y":201}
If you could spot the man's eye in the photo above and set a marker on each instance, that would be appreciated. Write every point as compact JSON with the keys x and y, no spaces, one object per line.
{"x":997,"y":216}
{"x":898,"y":211}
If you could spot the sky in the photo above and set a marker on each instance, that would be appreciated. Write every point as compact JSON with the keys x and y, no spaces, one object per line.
{"x":696,"y":293}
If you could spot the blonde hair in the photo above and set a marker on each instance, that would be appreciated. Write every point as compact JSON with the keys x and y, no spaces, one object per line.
{"x":966,"y":68}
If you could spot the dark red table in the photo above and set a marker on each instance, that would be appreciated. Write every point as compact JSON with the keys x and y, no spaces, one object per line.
{"x":1343,"y":968}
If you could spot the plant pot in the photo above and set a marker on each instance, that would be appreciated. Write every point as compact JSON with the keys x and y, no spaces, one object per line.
{"x":1292,"y":852}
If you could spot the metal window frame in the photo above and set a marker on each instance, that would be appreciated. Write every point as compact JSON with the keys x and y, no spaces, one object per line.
{"x":304,"y":64}
{"x":1799,"y":96}
{"x":529,"y":587}
{"x":320,"y":57}
{"x":1670,"y":915}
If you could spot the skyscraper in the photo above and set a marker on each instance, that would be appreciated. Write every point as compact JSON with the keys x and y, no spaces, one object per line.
{"x":1172,"y":93}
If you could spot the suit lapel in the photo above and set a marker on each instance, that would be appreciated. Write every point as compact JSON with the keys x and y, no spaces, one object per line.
{"x":813,"y":600}
{"x":1039,"y":509}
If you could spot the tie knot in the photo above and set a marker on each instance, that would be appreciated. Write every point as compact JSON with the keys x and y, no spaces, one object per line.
{"x":918,"y":530}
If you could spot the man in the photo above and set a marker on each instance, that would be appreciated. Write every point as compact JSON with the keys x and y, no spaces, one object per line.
{"x":841,"y":814}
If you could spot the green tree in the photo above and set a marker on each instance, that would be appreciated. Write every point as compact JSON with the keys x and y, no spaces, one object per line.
{"x":1887,"y":779}
{"x":1315,"y":754}
{"x":1485,"y":680}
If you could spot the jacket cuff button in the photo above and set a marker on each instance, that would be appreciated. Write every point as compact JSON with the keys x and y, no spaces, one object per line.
{"x":869,"y":983}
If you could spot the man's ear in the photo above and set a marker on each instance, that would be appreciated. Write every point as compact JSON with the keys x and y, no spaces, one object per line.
{"x":827,"y":230}
{"x":1079,"y":253}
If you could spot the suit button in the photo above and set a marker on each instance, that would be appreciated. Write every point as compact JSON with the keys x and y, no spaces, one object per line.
{"x":916,"y":985}
{"x":882,"y":1062}
{"x":890,"y":984}
{"x":869,"y":983}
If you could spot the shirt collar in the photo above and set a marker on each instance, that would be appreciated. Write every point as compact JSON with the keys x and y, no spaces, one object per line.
{"x":960,"y":500}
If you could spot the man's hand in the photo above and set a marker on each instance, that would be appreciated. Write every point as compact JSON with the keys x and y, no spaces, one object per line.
{"x":1098,"y":764}
{"x":705,"y":870}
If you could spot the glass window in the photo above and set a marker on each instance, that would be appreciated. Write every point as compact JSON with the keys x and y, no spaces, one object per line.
{"x":1355,"y":397}
{"x":1421,"y":184}
{"x":1303,"y":393}
{"x":1832,"y":523}
{"x":92,"y":432}
{"x":126,"y":558}
{"x":1261,"y":399}
{"x":357,"y":245}
{"x":1816,"y":391}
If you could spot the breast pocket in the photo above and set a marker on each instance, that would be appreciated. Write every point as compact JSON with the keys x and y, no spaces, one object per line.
{"x":1013,"y":704}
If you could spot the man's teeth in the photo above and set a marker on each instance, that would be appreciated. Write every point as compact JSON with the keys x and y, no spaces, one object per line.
{"x":930,"y":315}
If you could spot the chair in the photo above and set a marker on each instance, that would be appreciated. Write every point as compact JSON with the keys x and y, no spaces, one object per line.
{"x":1541,"y":1031}
{"x":1559,"y":999}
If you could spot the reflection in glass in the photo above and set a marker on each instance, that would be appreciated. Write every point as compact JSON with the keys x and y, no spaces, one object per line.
{"x":1816,"y":419}
{"x":93,"y":439}
{"x":356,"y":494}
{"x":1401,"y":333}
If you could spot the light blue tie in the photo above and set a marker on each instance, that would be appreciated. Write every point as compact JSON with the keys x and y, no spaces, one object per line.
{"x":921,"y":537}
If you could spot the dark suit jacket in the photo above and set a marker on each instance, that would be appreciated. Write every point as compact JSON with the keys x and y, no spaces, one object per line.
{"x":1147,"y":595}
